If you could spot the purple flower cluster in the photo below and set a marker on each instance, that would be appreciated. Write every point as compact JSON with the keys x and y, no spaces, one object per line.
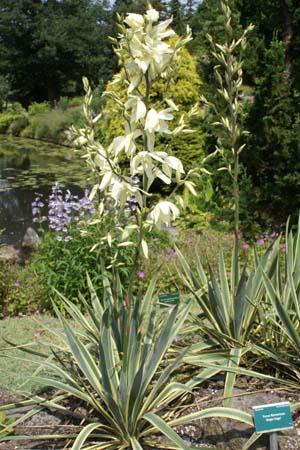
{"x":267,"y":237}
{"x":170,"y":254}
{"x":63,"y":209}
{"x":129,"y":210}
{"x":131,"y":204}
{"x":37,"y":206}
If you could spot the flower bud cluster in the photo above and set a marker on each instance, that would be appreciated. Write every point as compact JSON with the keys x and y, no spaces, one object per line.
{"x":144,"y":40}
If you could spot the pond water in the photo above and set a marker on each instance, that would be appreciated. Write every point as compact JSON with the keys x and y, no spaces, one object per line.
{"x":28,"y":167}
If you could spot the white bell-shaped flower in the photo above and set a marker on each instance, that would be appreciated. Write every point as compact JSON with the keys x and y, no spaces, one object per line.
{"x":152,"y":15}
{"x":155,"y":121}
{"x":163,"y":213}
{"x":137,"y":106}
{"x":135,"y":21}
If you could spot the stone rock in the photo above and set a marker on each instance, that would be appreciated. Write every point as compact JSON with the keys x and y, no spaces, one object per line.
{"x":9,"y":254}
{"x":31,"y":239}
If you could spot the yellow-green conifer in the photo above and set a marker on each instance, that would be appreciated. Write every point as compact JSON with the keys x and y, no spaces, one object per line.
{"x":184,"y":91}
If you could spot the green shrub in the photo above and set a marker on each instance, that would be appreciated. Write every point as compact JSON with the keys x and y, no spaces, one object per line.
{"x":73,"y":247}
{"x":38,"y":108}
{"x":75,"y":101}
{"x":18,"y":125}
{"x":76,"y":117}
{"x":63,"y":103}
{"x":7,"y":119}
{"x":64,"y":265}
{"x":16,"y":108}
{"x":35,"y":129}
{"x":51,"y":125}
{"x":41,"y":131}
{"x":29,"y":132}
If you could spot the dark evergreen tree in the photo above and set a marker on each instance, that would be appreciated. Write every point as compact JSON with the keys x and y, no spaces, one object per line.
{"x":273,"y":67}
{"x":176,"y":10}
{"x":209,"y":19}
{"x":271,"y":90}
{"x":5,"y":91}
{"x":47,"y":45}
{"x":273,"y":156}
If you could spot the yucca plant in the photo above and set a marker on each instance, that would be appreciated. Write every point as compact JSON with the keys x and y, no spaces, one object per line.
{"x":126,"y":385}
{"x":229,"y":310}
{"x":281,"y":341}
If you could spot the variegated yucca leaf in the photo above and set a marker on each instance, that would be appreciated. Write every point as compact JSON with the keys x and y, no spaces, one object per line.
{"x":281,"y":336}
{"x":230,"y":306}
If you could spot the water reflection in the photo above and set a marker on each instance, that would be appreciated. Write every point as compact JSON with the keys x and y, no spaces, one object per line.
{"x":15,"y":214}
{"x":26,"y":168}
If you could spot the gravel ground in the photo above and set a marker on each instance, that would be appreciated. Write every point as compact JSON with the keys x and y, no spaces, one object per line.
{"x":216,"y":433}
{"x":230,"y":435}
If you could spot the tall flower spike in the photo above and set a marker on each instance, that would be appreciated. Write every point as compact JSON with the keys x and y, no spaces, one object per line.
{"x":146,"y":55}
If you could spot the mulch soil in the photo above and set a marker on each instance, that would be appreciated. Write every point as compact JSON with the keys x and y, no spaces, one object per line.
{"x":215,"y":433}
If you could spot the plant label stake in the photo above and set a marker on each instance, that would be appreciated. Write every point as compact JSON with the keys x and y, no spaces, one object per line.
{"x":271,"y":418}
{"x":169,"y":300}
{"x":273,"y":441}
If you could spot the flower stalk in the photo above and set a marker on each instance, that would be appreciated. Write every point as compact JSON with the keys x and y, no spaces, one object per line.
{"x":146,"y":55}
{"x":229,"y":76}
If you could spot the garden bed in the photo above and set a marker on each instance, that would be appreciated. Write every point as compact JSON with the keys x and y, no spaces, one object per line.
{"x":215,"y":432}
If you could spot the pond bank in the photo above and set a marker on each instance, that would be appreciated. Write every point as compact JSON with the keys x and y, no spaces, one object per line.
{"x":28,"y":167}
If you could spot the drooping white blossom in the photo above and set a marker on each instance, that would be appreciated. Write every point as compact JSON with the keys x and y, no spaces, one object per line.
{"x":122,"y":190}
{"x":126,"y":142}
{"x":135,"y":21}
{"x":164,"y":213}
{"x":152,"y":15}
{"x":137,"y":107}
{"x":156,"y":121}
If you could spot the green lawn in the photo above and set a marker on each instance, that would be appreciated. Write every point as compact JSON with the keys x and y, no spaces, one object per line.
{"x":17,"y":367}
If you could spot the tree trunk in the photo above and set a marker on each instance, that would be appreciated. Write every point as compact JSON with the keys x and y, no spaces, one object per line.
{"x":287,"y":35}
{"x":52,"y":93}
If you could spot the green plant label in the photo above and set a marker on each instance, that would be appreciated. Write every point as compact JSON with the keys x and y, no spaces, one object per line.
{"x":273,"y":417}
{"x":170,"y":299}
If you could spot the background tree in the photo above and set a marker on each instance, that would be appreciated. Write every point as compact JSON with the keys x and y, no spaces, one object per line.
{"x":46,"y":46}
{"x":273,"y":72}
{"x":175,"y":9}
{"x":270,"y":90}
{"x":228,"y":110}
{"x":273,"y":159}
{"x":5,"y":91}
